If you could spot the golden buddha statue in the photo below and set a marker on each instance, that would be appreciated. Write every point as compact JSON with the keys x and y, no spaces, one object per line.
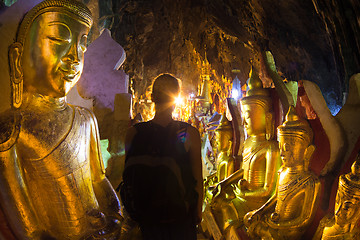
{"x":288,"y":213}
{"x":224,"y":140}
{"x":251,"y":186}
{"x":344,"y":224}
{"x":52,"y":178}
{"x":224,"y":160}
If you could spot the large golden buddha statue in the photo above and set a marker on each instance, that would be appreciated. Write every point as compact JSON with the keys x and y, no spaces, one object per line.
{"x":252,"y":185}
{"x":344,"y":223}
{"x":288,"y":213}
{"x":52,"y":178}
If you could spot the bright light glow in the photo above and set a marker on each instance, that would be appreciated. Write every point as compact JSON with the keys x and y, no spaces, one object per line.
{"x":235,"y":93}
{"x":179,"y":101}
{"x":192,"y":95}
{"x":175,"y":115}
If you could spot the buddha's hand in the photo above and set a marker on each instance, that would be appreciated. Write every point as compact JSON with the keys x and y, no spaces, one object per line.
{"x":244,"y":185}
{"x":253,"y":223}
{"x":223,"y":190}
{"x":274,"y":217}
{"x":218,"y":196}
{"x":251,"y":218}
{"x":240,"y":188}
{"x":217,"y":190}
{"x":96,"y":218}
{"x":106,"y":227}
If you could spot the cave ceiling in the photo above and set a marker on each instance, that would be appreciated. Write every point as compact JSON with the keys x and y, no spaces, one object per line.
{"x":316,"y":40}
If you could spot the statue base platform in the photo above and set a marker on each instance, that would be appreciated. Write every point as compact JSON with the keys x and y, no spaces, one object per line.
{"x":209,"y":224}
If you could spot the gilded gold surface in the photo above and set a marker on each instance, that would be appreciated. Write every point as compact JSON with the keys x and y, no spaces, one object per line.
{"x":252,"y":185}
{"x":53,"y":183}
{"x":344,"y":224}
{"x":224,"y":159}
{"x":288,"y":213}
{"x":224,"y":140}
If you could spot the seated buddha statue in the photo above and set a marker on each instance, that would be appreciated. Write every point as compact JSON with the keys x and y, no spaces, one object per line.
{"x":224,"y":139}
{"x":52,"y":178}
{"x":344,"y":223}
{"x":224,"y":160}
{"x":288,"y":213}
{"x":254,"y":183}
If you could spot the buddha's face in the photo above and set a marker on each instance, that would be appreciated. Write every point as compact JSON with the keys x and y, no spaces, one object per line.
{"x":292,"y":150}
{"x":53,"y":53}
{"x":254,"y":117}
{"x":346,"y":210}
{"x":223,"y":140}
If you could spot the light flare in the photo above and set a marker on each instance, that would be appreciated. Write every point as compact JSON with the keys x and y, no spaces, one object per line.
{"x":235,"y":93}
{"x":179,"y":101}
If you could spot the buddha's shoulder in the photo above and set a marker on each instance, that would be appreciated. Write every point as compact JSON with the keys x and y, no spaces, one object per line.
{"x":311,"y":178}
{"x":272,"y":145}
{"x":85,"y":113}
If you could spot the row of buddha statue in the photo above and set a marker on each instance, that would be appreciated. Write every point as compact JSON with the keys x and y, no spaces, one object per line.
{"x":274,"y":194}
{"x":52,"y":178}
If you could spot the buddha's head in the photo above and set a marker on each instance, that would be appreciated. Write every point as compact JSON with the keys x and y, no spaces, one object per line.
{"x":347,"y":203}
{"x":224,"y":134}
{"x":50,"y":45}
{"x":165,"y":90}
{"x":295,"y":138}
{"x":256,"y":108}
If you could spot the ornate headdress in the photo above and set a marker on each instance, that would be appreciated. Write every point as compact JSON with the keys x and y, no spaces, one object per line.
{"x":349,"y":183}
{"x":256,"y":94}
{"x":295,"y":126}
{"x":72,"y":6}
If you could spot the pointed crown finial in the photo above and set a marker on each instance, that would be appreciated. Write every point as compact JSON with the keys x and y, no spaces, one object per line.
{"x":349,"y":183}
{"x":256,"y":93}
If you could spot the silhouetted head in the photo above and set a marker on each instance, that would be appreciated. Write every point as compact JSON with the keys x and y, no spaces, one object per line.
{"x":166,"y":89}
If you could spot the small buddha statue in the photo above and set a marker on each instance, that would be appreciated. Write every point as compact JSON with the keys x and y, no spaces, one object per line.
{"x":288,"y":213}
{"x":224,"y":160}
{"x":344,"y":223}
{"x":224,"y":139}
{"x":52,"y":178}
{"x":251,"y":186}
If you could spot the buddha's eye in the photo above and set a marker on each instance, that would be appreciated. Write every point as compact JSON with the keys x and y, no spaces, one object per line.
{"x":58,"y":40}
{"x":58,"y":33}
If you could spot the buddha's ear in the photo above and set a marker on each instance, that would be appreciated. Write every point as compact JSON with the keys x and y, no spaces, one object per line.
{"x":16,"y":73}
{"x":307,"y":155}
{"x":229,"y":151}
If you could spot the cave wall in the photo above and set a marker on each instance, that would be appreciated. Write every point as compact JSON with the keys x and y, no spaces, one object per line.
{"x":314,"y":40}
